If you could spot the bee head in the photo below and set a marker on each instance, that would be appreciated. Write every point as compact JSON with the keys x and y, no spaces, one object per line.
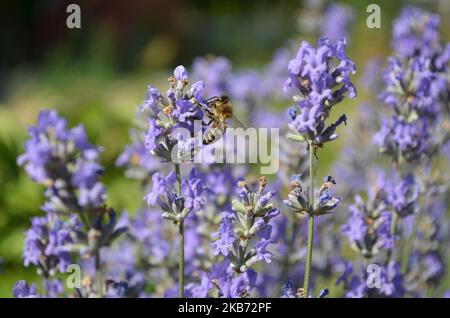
{"x":223,"y":99}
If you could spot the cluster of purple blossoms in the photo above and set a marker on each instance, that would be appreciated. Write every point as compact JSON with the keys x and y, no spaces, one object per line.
{"x":216,"y":71}
{"x":177,"y":109}
{"x":336,"y":21}
{"x":290,"y":292}
{"x":387,"y":283}
{"x":368,"y":228}
{"x":249,"y":223}
{"x":428,"y":260}
{"x":298,"y":197}
{"x":417,"y":88}
{"x":403,"y":195}
{"x":77,"y":219}
{"x":402,"y":140}
{"x":243,"y":239}
{"x":63,"y":160}
{"x":416,"y":32}
{"x":144,"y":263}
{"x":325,"y":18}
{"x":23,"y":290}
{"x":321,"y":77}
{"x":135,"y":158}
{"x":177,"y":206}
{"x":47,"y":243}
{"x":222,"y":281}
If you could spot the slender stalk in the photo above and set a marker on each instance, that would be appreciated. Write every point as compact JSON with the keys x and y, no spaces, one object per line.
{"x":409,"y":244}
{"x":310,"y":243}
{"x":180,"y":237}
{"x":178,"y":176}
{"x":394,"y":223}
{"x":290,"y":238}
{"x":98,"y":273}
{"x":181,"y":270}
{"x":46,"y":286}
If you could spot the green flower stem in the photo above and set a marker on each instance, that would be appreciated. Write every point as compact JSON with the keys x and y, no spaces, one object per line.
{"x":181,"y":270}
{"x":310,"y":243}
{"x":394,"y":224}
{"x":395,"y":217}
{"x":393,"y":231}
{"x":409,"y":244}
{"x":180,"y":237}
{"x":98,"y":273}
{"x":178,"y":176}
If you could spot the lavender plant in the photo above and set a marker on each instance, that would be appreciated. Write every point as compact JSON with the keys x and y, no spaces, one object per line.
{"x":243,"y":238}
{"x":321,"y":77}
{"x":167,"y":113}
{"x":416,"y":89}
{"x":77,"y":219}
{"x":223,"y":240}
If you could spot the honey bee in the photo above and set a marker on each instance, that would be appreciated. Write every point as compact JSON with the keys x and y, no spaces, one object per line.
{"x":218,"y":110}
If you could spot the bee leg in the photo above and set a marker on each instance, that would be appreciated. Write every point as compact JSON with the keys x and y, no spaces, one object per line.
{"x":210,"y":113}
{"x":208,"y":141}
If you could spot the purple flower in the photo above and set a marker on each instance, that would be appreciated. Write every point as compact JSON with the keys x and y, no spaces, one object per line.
{"x":154,"y":96}
{"x":368,"y":226}
{"x":41,"y":150}
{"x":216,"y":71}
{"x":65,"y":162}
{"x":88,"y":151}
{"x":47,"y":243}
{"x":403,"y":195}
{"x":225,"y":238}
{"x":177,"y":206}
{"x":201,"y":290}
{"x":413,"y":88}
{"x":193,"y":189}
{"x":336,"y":21}
{"x":154,"y":132}
{"x":178,"y":109}
{"x":327,"y":201}
{"x":390,"y":282}
{"x":244,"y":86}
{"x":116,"y":289}
{"x":261,"y":253}
{"x":298,"y":197}
{"x":416,"y":32}
{"x":85,"y":178}
{"x":161,"y":186}
{"x":180,"y":73}
{"x":230,"y":284}
{"x":147,"y":229}
{"x":400,"y":138}
{"x":322,"y":78}
{"x":288,"y":290}
{"x":136,"y":159}
{"x":248,"y":228}
{"x":55,"y":288}
{"x":22,"y":290}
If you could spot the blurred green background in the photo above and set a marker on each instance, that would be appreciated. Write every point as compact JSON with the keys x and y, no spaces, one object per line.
{"x":98,"y":74}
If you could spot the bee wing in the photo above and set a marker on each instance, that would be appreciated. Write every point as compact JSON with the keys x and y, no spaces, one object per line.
{"x":202,"y":106}
{"x":237,"y":123}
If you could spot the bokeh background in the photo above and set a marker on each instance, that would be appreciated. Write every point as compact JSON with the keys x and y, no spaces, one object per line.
{"x":98,"y":74}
